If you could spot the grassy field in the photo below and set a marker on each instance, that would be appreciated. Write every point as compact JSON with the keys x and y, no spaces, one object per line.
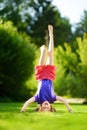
{"x":12,"y":119}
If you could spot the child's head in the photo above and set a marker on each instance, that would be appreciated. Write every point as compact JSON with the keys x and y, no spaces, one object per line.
{"x":46,"y":107}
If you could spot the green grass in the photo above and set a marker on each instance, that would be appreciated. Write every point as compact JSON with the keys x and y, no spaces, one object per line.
{"x":12,"y":119}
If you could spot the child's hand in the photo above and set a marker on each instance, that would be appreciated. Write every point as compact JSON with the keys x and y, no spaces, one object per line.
{"x":22,"y":110}
{"x":70,"y":110}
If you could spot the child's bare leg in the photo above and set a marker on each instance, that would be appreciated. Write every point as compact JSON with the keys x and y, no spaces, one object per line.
{"x":42,"y":60}
{"x":51,"y":46}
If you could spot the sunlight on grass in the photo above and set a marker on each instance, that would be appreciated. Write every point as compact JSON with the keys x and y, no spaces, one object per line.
{"x":12,"y":119}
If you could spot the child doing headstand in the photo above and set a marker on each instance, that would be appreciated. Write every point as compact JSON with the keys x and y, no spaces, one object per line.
{"x":45,"y":73}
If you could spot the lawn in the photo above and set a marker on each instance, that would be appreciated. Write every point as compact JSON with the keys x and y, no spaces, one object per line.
{"x":12,"y":119}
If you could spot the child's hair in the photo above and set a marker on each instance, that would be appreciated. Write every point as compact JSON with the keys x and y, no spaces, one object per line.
{"x":39,"y":109}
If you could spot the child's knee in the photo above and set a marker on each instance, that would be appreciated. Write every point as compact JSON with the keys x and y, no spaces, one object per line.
{"x":43,"y":49}
{"x":50,"y":53}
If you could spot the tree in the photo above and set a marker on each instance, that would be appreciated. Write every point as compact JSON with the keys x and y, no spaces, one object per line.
{"x":67,"y":66}
{"x":15,"y":11}
{"x":82,"y":74}
{"x":71,"y":77}
{"x":81,"y":27}
{"x":35,"y":23}
{"x":16,"y":62}
{"x":46,"y":13}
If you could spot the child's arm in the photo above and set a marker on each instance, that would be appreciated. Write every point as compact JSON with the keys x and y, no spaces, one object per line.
{"x":65,"y":102}
{"x":32,"y":99}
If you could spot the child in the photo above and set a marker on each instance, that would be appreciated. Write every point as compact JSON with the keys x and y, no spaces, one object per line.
{"x":45,"y":73}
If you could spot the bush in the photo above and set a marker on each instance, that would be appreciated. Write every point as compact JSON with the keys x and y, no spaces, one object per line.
{"x":67,"y":61}
{"x":72,"y":69}
{"x":16,"y":61}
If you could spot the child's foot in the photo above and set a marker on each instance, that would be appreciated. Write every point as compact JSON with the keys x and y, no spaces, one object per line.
{"x":22,"y":111}
{"x":50,"y":29}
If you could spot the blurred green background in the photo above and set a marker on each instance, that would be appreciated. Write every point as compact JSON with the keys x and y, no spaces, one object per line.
{"x":23,"y":29}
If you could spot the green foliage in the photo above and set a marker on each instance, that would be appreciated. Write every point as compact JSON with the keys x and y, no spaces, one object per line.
{"x":46,"y":13}
{"x":82,"y":49}
{"x":79,"y":86}
{"x":59,"y":82}
{"x":81,"y":27}
{"x":35,"y":23}
{"x":32,"y":82}
{"x":15,"y":11}
{"x":82,"y":74}
{"x":67,"y":67}
{"x":72,"y":69}
{"x":16,"y":61}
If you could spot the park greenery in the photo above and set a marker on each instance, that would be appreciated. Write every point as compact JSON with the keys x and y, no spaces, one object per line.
{"x":21,"y":34}
{"x":72,"y":69}
{"x":16,"y":62}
